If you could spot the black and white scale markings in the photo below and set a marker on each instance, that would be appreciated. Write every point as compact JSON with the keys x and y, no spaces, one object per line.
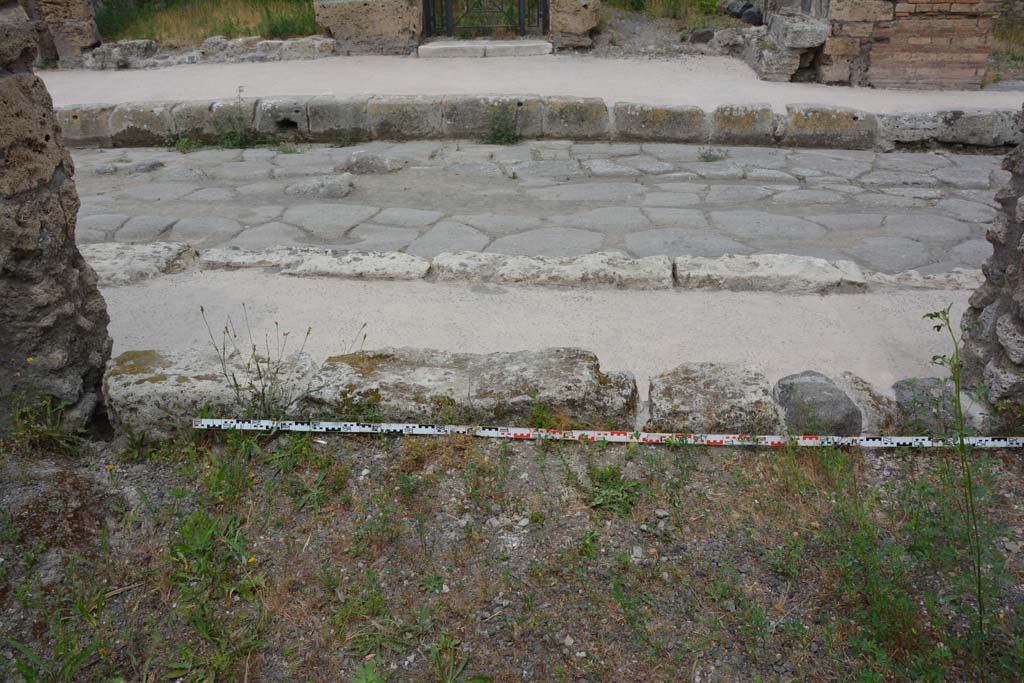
{"x":530,"y":434}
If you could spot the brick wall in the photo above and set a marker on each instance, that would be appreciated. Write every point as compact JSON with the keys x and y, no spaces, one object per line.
{"x":913,"y":44}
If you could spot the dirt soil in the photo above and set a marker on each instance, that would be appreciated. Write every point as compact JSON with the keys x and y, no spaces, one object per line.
{"x":416,"y":559}
{"x":633,"y":34}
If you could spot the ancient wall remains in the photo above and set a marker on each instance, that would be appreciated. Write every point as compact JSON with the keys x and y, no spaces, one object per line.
{"x":63,"y":29}
{"x":53,"y":321}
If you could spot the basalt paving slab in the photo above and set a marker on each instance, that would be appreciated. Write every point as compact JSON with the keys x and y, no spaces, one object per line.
{"x":886,"y":212}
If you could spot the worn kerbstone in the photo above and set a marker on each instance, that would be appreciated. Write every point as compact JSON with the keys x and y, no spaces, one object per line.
{"x":142,"y":123}
{"x":659,"y":124}
{"x":575,"y":118}
{"x":924,"y":406}
{"x":423,"y":385}
{"x":983,"y":128}
{"x":210,"y":120}
{"x":471,"y":116}
{"x":406,"y":118}
{"x":357,"y":264}
{"x":744,"y":124}
{"x":609,"y":269}
{"x":331,"y":119}
{"x":769,"y":272}
{"x":713,"y":398}
{"x":813,"y":404}
{"x":282,"y":116}
{"x":158,"y":393}
{"x":86,"y":124}
{"x":120,"y":264}
{"x":816,"y":126}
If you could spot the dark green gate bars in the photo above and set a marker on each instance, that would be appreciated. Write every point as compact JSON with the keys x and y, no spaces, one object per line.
{"x":474,"y":18}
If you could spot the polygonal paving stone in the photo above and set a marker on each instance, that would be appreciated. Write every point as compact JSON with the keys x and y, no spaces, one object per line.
{"x":407,"y":218}
{"x":671,"y":199}
{"x":967,"y":210}
{"x":717,"y":170}
{"x":547,"y":169}
{"x":737,"y":194}
{"x":617,"y":219}
{"x":881,"y":200}
{"x":589,"y":192}
{"x":548,"y":242}
{"x":380,"y":238}
{"x":269,"y":235}
{"x":144,"y":228}
{"x":673,"y":152}
{"x":972,"y":253}
{"x":304,"y":170}
{"x":926,"y":228}
{"x":963,"y":178}
{"x":204,"y":230}
{"x":684,"y":187}
{"x":915,"y":192}
{"x":772,"y":174}
{"x":890,"y":254}
{"x":898,"y":179}
{"x":329,"y":221}
{"x":261,"y":189}
{"x":682,"y":242}
{"x":448,"y":236}
{"x":101,"y":222}
{"x":606,"y":168}
{"x":157,"y":192}
{"x":499,"y":224}
{"x":764,"y":225}
{"x":841,"y":168}
{"x":808,"y":197}
{"x":604,"y":149}
{"x":849,"y":221}
{"x":680,"y":218}
{"x":914,"y":162}
{"x":211,"y":194}
{"x":647,"y":164}
{"x":241,"y":170}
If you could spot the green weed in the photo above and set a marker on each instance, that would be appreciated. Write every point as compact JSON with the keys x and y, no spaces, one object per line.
{"x":611,"y":492}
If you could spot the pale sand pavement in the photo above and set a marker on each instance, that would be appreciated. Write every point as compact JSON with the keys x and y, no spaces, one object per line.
{"x":704,"y":82}
{"x":879,"y":336}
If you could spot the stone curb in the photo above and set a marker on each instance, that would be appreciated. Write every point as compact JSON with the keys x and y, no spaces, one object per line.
{"x":325,"y":118}
{"x":158,"y":393}
{"x":119,"y":264}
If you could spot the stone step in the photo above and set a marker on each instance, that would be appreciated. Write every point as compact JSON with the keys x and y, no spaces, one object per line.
{"x":484,"y":48}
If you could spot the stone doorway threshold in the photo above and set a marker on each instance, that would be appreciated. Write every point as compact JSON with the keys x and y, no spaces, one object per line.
{"x":484,"y":48}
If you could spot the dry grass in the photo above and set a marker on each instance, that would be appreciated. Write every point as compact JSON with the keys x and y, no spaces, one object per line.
{"x":1007,"y":60}
{"x":188,"y":22}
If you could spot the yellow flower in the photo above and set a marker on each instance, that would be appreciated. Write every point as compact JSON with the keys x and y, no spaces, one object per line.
{"x":103,"y":652}
{"x":252,"y":559}
{"x":110,"y":467}
{"x":29,"y":359}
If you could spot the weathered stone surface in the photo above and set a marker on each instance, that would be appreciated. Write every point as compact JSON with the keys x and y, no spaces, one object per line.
{"x":158,"y":393}
{"x":572,"y":22}
{"x":813,"y":404}
{"x":653,"y":123}
{"x":53,"y":317}
{"x":575,"y":118}
{"x":768,"y":272}
{"x":924,"y":406}
{"x":797,"y":32}
{"x":470,"y":116}
{"x":814,"y":126}
{"x":87,"y":124}
{"x":331,"y":119}
{"x":143,"y":123}
{"x":548,"y":242}
{"x":209,"y":121}
{"x":282,"y":115}
{"x":422,"y":385}
{"x":327,"y":187}
{"x":405,"y":118}
{"x":745,"y":124}
{"x":356,"y":264}
{"x":448,"y":236}
{"x":606,"y":269}
{"x":363,"y":162}
{"x":715,"y":398}
{"x":374,"y":26}
{"x":982,"y":128}
{"x":120,"y":264}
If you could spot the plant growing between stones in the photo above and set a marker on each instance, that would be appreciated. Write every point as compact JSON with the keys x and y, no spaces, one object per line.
{"x":503,"y":127}
{"x":709,"y":154}
{"x":259,"y":384}
{"x":448,"y":662}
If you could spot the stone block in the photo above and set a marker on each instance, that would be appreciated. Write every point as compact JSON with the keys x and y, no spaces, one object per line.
{"x":331,"y":119}
{"x":813,"y":404}
{"x":142,"y":123}
{"x":209,"y":120}
{"x":451,"y":48}
{"x":405,"y":118}
{"x":924,"y":406}
{"x":797,"y":32}
{"x":990,"y":128}
{"x":159,"y":393}
{"x":282,"y":116}
{"x":424,"y":385}
{"x":116,"y":263}
{"x":372,"y":26}
{"x":517,"y":48}
{"x":657,"y":123}
{"x":607,"y":269}
{"x":743,"y":124}
{"x":572,"y":21}
{"x":862,"y":10}
{"x":906,"y":128}
{"x":769,"y":273}
{"x":575,"y":118}
{"x":713,"y":398}
{"x":467,"y":116}
{"x":818,"y":126}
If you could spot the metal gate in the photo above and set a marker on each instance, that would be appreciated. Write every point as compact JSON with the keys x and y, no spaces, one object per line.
{"x":473,"y":18}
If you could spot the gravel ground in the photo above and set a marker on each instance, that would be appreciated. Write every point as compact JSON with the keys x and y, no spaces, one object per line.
{"x":309,"y":559}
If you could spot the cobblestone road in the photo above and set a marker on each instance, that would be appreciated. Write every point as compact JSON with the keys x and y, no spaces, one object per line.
{"x":887,"y":212}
